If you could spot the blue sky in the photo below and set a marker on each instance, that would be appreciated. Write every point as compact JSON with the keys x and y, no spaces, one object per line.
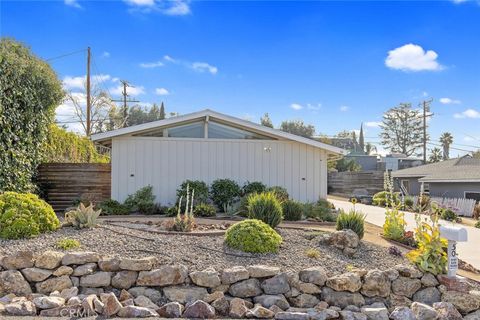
{"x":332,"y":64}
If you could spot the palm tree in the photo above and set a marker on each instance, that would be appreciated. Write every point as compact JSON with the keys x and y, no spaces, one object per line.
{"x":446,"y":139}
{"x":435,"y":155}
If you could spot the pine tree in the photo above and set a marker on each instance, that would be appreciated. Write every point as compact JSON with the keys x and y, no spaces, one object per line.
{"x":361,"y":140}
{"x":266,"y":121}
{"x":162,"y":112}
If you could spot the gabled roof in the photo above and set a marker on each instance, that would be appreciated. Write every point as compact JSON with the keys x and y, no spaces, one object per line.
{"x":107,"y":136}
{"x":464,"y":169}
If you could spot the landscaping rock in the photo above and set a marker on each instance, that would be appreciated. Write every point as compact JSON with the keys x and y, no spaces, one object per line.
{"x":344,"y":239}
{"x":463,"y":302}
{"x":21,"y":308}
{"x":184,"y":295}
{"x":246,"y":288}
{"x":152,"y":294}
{"x":163,"y":276}
{"x":409,"y":271}
{"x":18,"y":260}
{"x":12,"y":281}
{"x":455,"y":284}
{"x":261,"y":271}
{"x":238,"y":309}
{"x":375,"y":312}
{"x":234,"y":274}
{"x":136,"y":312}
{"x":221,"y":305}
{"x":342,"y":299}
{"x":80,"y":258}
{"x":423,"y":311}
{"x":406,"y":286}
{"x":124,"y":279}
{"x":315,"y":275}
{"x":292,"y":316}
{"x":140,"y":264}
{"x":213,"y":296}
{"x":376,"y":283}
{"x":109,"y":264}
{"x":305,"y":301}
{"x":276,"y":285}
{"x":199,"y":310}
{"x":305,"y":287}
{"x":84,"y":269}
{"x":402,"y":313}
{"x":472,"y":316}
{"x":96,"y":280}
{"x":36,"y":274}
{"x":428,"y":296}
{"x":48,"y":302}
{"x":429,"y":280}
{"x":171,"y":310}
{"x":350,"y":315}
{"x":143,"y":301}
{"x":54,"y":284}
{"x":69,"y":293}
{"x":270,"y":300}
{"x":260,"y":312}
{"x":88,"y":305}
{"x":345,"y":282}
{"x":111,"y":304}
{"x":49,"y":259}
{"x":207,"y":278}
{"x":63,"y":271}
{"x":70,"y":310}
{"x":447,"y":311}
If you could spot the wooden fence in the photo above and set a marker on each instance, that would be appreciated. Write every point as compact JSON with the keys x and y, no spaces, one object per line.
{"x":343,"y":183}
{"x":63,"y":183}
{"x":463,"y":207}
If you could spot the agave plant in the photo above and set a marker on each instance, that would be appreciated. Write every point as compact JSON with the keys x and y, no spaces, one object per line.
{"x":82,"y":217}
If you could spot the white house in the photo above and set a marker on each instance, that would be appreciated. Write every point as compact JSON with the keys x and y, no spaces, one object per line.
{"x":208,"y":145}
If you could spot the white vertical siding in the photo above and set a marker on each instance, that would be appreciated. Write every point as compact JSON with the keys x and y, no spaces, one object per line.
{"x":165,"y":163}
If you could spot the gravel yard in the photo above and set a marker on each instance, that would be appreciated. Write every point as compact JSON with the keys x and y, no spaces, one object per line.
{"x":207,"y":251}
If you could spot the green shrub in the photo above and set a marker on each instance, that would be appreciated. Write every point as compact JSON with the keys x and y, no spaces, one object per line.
{"x":381,"y":198}
{"x":354,"y":220}
{"x":280,"y":192}
{"x":394,"y":226}
{"x":408,"y":203}
{"x":224,"y":192}
{"x":67,"y":244}
{"x":253,"y":235}
{"x":24,"y":215}
{"x":449,"y":215}
{"x":142,"y":201}
{"x":204,"y":210}
{"x":253,"y":187}
{"x":324,"y":203}
{"x":313,"y":253}
{"x":112,"y":207}
{"x":292,"y":210}
{"x":318,"y":212}
{"x":242,"y":206}
{"x":82,"y":217}
{"x":266,"y":207}
{"x":200,"y":187}
{"x":172,"y":211}
{"x":477,"y":224}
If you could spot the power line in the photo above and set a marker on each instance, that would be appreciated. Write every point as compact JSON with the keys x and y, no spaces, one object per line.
{"x":66,"y":55}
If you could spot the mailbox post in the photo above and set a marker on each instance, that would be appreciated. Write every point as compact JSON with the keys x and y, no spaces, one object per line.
{"x":453,"y":235}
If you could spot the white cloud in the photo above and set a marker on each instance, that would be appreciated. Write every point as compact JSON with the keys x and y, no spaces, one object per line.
{"x":372,"y":124}
{"x":296,"y":106}
{"x":344,"y":108}
{"x":204,"y":67}
{"x":155,"y":64}
{"x":469,"y":113}
{"x":169,"y":59}
{"x":134,"y":90}
{"x":106,"y":54}
{"x":314,"y":107}
{"x":459,"y":1}
{"x":162,"y":92}
{"x":412,"y":57}
{"x":177,"y":8}
{"x":70,"y":83}
{"x":449,"y":101}
{"x":171,"y":7}
{"x":73,"y":3}
{"x":141,"y":3}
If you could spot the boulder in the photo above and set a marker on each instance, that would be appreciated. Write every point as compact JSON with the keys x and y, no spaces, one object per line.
{"x":72,"y":310}
{"x":63,"y":271}
{"x":124,"y":279}
{"x":345,"y":282}
{"x":285,"y":315}
{"x":455,"y":284}
{"x":69,"y":293}
{"x":143,"y":301}
{"x":344,"y":239}
{"x":402,"y":313}
{"x":315,"y":275}
{"x":89,"y":306}
{"x":472,"y":316}
{"x":376,"y":283}
{"x":12,"y":281}
{"x":53,"y":284}
{"x":463,"y":302}
{"x":234,"y":274}
{"x":222,"y":306}
{"x":260,"y":312}
{"x":276,"y":285}
{"x":96,"y":280}
{"x":85,"y":291}
{"x":139,"y":264}
{"x":375,"y":312}
{"x":351,"y":315}
{"x":166,"y":275}
{"x":84,"y":269}
{"x":429,"y":280}
{"x":246,"y":288}
{"x":207,"y":278}
{"x":48,"y":302}
{"x":238,"y":309}
{"x":267,"y":301}
{"x":80,"y":258}
{"x":136,"y":312}
{"x":49,"y":260}
{"x":305,"y":287}
{"x":36,"y":274}
{"x":304,"y":301}
{"x":152,"y":294}
{"x":111,"y":305}
{"x":184,"y":295}
{"x":342,"y":299}
{"x":406,"y":286}
{"x":213,"y":296}
{"x":199,"y":310}
{"x":18,"y":260}
{"x":261,"y":271}
{"x":21,"y":308}
{"x":423,"y":311}
{"x":171,"y":310}
{"x":447,"y":311}
{"x":109,"y":264}
{"x":428,"y":296}
{"x":409,"y":271}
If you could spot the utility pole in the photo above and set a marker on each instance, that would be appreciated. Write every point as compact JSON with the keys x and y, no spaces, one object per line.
{"x":426,"y":109}
{"x":125,"y":100}
{"x":89,"y":106}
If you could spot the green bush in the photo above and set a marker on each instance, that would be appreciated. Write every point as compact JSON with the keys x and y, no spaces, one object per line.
{"x":449,"y":215}
{"x":224,"y":192}
{"x":200,"y":187}
{"x":408,"y":203}
{"x":254,"y":236}
{"x":67,"y":244}
{"x":242,"y":206}
{"x":204,"y":210}
{"x":380,"y":199}
{"x":324,"y":203}
{"x":394,"y":226}
{"x":280,"y":192}
{"x":253,"y":187}
{"x":24,"y":215}
{"x":266,"y":207}
{"x":354,"y":220}
{"x":142,"y":201}
{"x":477,"y":224}
{"x":112,"y":207}
{"x":82,"y":217}
{"x":172,"y":211}
{"x":292,"y":210}
{"x":318,"y":212}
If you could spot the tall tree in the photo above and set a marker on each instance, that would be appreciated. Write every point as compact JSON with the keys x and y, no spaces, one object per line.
{"x":266,"y":121}
{"x":344,"y":134}
{"x":361,"y":139}
{"x":370,"y":148}
{"x":476,"y":154}
{"x":298,"y":127}
{"x":446,"y":139}
{"x":402,"y":129}
{"x":162,"y":111}
{"x":435,"y":155}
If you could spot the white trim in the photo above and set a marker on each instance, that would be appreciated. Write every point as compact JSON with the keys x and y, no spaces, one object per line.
{"x":106,"y":136}
{"x":408,"y":183}
{"x":447,"y":180}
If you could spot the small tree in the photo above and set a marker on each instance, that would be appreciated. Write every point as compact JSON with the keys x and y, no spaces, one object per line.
{"x":266,"y":121}
{"x":435,"y":155}
{"x":298,"y":127}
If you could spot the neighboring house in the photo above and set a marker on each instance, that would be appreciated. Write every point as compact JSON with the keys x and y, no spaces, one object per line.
{"x":454,"y":178}
{"x":366,"y":162}
{"x":208,"y":145}
{"x":398,"y":161}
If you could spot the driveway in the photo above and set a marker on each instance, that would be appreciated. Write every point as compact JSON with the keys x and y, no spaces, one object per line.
{"x":468,"y":251}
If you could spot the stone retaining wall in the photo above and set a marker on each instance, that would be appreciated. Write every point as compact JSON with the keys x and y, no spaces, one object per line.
{"x":84,"y":284}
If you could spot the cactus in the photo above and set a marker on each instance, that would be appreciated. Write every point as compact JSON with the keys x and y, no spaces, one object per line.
{"x":82,"y":217}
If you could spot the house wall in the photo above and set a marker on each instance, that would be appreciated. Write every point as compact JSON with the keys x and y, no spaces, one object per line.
{"x":452,"y":190}
{"x":415,"y":186}
{"x":165,"y":163}
{"x":368,"y":163}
